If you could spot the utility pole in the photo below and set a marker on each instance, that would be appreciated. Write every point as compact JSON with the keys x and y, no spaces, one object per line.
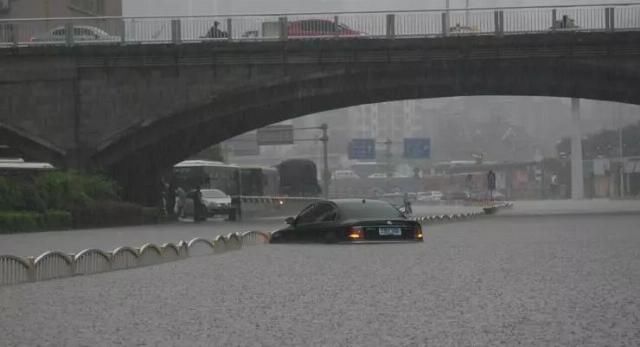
{"x":620,"y":152}
{"x":466,"y":15}
{"x":387,"y":145}
{"x":326,"y":175}
{"x":577,"y":175}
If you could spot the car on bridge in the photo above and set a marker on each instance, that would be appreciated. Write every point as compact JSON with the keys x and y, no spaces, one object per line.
{"x":305,"y":28}
{"x":348,"y":221}
{"x":320,"y":27}
{"x":81,"y":33}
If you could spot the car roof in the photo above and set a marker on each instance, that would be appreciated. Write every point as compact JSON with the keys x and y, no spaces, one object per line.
{"x":344,"y":202}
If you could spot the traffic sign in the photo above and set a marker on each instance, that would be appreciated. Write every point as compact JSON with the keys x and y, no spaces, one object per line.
{"x":417,"y":148}
{"x":244,"y":145}
{"x":362,"y":149}
{"x":276,"y":135}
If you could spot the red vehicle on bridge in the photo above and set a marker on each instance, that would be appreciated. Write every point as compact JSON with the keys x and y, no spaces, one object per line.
{"x":320,"y":27}
{"x":305,"y":28}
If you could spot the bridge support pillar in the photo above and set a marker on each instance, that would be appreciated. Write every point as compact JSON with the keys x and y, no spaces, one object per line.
{"x":577,"y":175}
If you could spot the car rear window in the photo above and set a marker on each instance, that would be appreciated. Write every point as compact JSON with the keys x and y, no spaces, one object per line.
{"x":368,"y":210}
{"x":213,"y":194}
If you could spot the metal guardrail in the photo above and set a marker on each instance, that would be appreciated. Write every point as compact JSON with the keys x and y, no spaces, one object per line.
{"x":455,"y":217}
{"x":54,"y":264}
{"x":347,"y":25}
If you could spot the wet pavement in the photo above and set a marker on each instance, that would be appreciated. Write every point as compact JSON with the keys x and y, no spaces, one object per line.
{"x":528,"y":281}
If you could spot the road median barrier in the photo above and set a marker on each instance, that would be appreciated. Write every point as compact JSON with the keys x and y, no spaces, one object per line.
{"x":456,"y":217}
{"x":56,"y":264}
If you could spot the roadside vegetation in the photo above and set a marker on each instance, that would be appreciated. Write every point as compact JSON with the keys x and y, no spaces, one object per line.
{"x":60,"y":200}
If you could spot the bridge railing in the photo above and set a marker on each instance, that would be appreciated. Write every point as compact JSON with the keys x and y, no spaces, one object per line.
{"x":349,"y":25}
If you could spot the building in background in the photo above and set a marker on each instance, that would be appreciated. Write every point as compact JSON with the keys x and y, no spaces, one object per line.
{"x":10,"y":9}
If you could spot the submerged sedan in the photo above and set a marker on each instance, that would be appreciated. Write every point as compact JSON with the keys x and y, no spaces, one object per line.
{"x":349,"y":220}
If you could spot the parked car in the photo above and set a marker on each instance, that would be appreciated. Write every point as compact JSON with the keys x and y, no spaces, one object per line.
{"x":378,"y":175}
{"x":433,"y":195}
{"x":217,"y":203}
{"x":81,"y":33}
{"x":349,"y":220}
{"x":456,"y":195}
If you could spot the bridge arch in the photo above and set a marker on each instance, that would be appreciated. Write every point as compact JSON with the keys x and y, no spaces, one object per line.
{"x":144,"y":151}
{"x":174,"y":138}
{"x":31,"y":147}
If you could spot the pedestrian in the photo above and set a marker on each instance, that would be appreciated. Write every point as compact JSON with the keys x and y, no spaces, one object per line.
{"x":171,"y":198}
{"x":491,"y":183}
{"x":180,"y":202}
{"x":554,"y":185}
{"x":407,"y":204}
{"x":197,"y":205}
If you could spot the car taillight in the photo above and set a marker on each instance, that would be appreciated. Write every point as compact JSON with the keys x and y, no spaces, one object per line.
{"x":418,"y":232}
{"x":355,"y":233}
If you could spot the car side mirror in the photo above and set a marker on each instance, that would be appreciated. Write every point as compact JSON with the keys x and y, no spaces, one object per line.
{"x":290,"y":220}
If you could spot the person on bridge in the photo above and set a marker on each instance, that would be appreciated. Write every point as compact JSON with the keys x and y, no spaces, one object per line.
{"x":215,"y":31}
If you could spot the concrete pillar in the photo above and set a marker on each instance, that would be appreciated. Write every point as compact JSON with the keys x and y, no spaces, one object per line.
{"x":577,"y":175}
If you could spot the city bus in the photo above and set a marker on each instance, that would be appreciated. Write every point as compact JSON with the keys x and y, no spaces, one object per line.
{"x":18,"y":167}
{"x":229,"y":178}
{"x":207,"y":174}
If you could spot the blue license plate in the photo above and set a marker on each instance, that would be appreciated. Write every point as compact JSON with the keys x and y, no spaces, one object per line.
{"x":390,"y":231}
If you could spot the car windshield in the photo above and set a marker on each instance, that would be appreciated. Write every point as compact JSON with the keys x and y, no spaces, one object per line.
{"x":213,"y":194}
{"x":368,"y":210}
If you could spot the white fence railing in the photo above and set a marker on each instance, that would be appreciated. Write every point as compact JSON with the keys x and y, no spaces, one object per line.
{"x":348,"y":25}
{"x":53,"y":264}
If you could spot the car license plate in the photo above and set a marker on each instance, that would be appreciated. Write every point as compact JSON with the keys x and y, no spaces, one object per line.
{"x":390,"y":231}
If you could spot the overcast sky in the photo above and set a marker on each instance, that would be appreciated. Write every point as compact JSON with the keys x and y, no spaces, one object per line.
{"x":209,"y":7}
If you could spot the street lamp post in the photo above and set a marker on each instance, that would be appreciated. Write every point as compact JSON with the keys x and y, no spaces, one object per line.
{"x":620,"y":154}
{"x":326,"y":175}
{"x":387,"y":145}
